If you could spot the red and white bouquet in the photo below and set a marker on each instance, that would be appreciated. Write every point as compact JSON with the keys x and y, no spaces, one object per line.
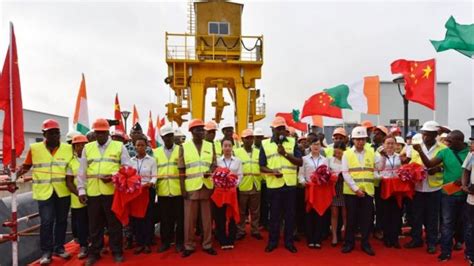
{"x":127,"y":180}
{"x":224,"y":178}
{"x":412,"y":172}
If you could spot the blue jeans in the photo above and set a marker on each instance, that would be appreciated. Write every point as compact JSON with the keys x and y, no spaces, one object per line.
{"x":453,"y":208}
{"x":53,"y":215}
{"x":426,"y":207}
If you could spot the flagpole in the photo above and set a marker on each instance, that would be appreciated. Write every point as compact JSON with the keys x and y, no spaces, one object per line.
{"x":13,"y":157}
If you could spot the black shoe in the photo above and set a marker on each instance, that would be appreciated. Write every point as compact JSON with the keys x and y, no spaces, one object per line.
{"x":164,"y":248}
{"x":91,"y":260}
{"x":128,"y":244}
{"x":147,"y":250}
{"x":368,"y":250}
{"x":291,"y":248}
{"x":118,"y":258}
{"x":257,"y":236}
{"x":347,"y":248}
{"x":187,"y":253}
{"x":179,"y":247}
{"x":431,"y":249}
{"x":138,"y":250}
{"x":413,"y":244}
{"x":457,"y":246}
{"x":444,"y":257}
{"x":270,"y":248}
{"x":210,"y":251}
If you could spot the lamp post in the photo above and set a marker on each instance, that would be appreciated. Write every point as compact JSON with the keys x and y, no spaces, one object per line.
{"x":471,"y":124}
{"x":125,"y":115}
{"x":400,"y":80}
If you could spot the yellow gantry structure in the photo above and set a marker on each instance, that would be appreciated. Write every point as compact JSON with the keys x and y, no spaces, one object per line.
{"x":214,"y":55}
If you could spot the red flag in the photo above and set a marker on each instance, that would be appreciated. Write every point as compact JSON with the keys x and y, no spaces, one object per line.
{"x":118,"y":115}
{"x":135,"y":118}
{"x":320,"y":104}
{"x":292,"y":123}
{"x":420,"y":80}
{"x":151,"y":132}
{"x":11,"y":104}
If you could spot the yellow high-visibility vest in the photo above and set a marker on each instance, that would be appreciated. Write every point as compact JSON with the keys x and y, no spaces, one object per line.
{"x":276,"y":161}
{"x":74,"y":166}
{"x":363,"y":175}
{"x":168,"y":173}
{"x":329,"y":151}
{"x":197,"y":164}
{"x":251,"y":169}
{"x":99,"y":166}
{"x":49,"y":171}
{"x":435,"y":180}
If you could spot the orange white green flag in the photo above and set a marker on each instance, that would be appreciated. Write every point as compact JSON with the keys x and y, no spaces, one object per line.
{"x":81,"y":113}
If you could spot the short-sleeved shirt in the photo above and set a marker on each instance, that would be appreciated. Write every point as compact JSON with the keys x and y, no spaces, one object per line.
{"x":452,"y":165}
{"x":263,"y":157}
{"x":469,"y":166}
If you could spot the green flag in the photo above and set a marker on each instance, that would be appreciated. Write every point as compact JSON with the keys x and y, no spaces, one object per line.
{"x":458,"y":37}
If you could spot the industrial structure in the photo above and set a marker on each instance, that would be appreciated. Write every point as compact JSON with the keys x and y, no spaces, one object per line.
{"x":214,"y":54}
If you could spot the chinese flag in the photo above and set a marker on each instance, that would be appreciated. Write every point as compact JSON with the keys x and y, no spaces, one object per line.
{"x":320,"y":104}
{"x":135,"y":118}
{"x":292,"y":123}
{"x":11,"y":104}
{"x":420,"y":80}
{"x":118,"y":114}
{"x":151,"y":132}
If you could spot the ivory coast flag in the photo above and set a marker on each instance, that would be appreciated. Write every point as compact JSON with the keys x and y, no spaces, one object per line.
{"x":361,"y":96}
{"x":81,"y":113}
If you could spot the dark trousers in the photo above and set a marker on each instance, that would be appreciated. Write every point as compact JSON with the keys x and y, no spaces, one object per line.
{"x":99,"y":209}
{"x":426,"y":207}
{"x":392,"y":222}
{"x":379,"y":209}
{"x":282,"y":200}
{"x":453,"y":210}
{"x":144,"y":228}
{"x":360,"y":214}
{"x":314,"y":227}
{"x":225,"y":231}
{"x":469,"y":251}
{"x":53,"y":215}
{"x":81,"y":220}
{"x":264,"y":205}
{"x":300,"y":210}
{"x":172,"y":219}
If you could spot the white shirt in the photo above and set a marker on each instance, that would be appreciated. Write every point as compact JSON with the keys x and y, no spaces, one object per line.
{"x":146,"y":168}
{"x":387,"y":167}
{"x":82,"y":171}
{"x":335,"y":165}
{"x":234,"y":164}
{"x":345,"y":168}
{"x":469,"y":166}
{"x":424,"y":186}
{"x":310,"y":164}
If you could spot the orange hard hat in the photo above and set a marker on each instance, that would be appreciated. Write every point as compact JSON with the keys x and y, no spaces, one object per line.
{"x":367,"y":124}
{"x":340,"y":131}
{"x":100,"y":124}
{"x":383,"y":129}
{"x":195,"y":123}
{"x":50,"y":124}
{"x":278,"y":122}
{"x":79,"y":139}
{"x":210,"y":125}
{"x":247,"y":133}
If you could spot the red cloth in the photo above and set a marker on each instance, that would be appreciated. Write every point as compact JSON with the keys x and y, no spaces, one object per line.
{"x":13,"y":94}
{"x":151,"y":132}
{"x":227,"y":196}
{"x":420,"y":80}
{"x":320,"y":104}
{"x":130,"y":204}
{"x":292,"y":123}
{"x":319,"y":197}
{"x":397,"y":188}
{"x":118,"y":115}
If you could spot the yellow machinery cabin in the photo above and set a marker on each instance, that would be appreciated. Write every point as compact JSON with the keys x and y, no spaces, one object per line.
{"x":214,"y":54}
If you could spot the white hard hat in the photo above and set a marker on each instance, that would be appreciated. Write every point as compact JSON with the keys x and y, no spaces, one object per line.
{"x":399,"y":140}
{"x":417,"y":139}
{"x":178,"y":133}
{"x":166,"y":129}
{"x":227,"y":124}
{"x":71,"y":134}
{"x":444,"y":135}
{"x":432,"y":126}
{"x":359,"y":132}
{"x":258,"y":132}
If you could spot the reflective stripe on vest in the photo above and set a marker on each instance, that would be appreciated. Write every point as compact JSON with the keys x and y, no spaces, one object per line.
{"x":250,"y":169}
{"x":277,"y":162}
{"x":74,"y":166}
{"x":49,"y":172}
{"x":102,"y":165}
{"x":197,"y":164}
{"x":168,"y":173}
{"x":363,"y":175}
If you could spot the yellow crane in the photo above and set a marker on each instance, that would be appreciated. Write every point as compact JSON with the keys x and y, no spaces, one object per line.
{"x":213,"y":54}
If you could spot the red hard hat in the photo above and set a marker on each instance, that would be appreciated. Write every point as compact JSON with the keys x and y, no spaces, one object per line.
{"x":79,"y":139}
{"x":195,"y":123}
{"x":50,"y":124}
{"x":101,"y":124}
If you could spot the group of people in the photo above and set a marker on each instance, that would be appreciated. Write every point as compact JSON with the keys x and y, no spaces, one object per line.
{"x":272,"y":174}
